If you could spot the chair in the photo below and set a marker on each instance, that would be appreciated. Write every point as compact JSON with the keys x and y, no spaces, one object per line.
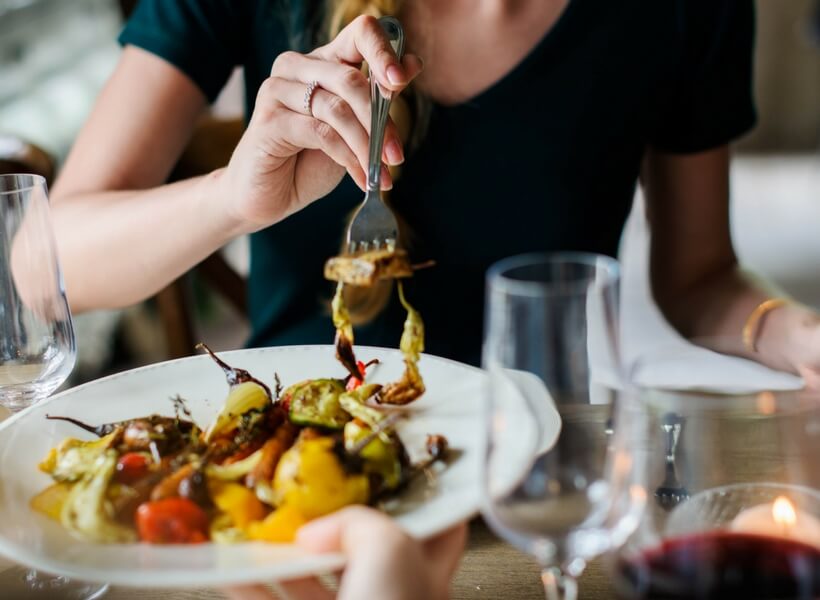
{"x":21,"y":156}
{"x":210,"y":147}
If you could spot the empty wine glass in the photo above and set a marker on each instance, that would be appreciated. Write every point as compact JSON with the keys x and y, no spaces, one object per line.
{"x":37,"y":348}
{"x":748,"y":525}
{"x":552,"y":488}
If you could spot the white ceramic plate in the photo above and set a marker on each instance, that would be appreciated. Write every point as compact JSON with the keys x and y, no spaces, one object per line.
{"x":451,"y":406}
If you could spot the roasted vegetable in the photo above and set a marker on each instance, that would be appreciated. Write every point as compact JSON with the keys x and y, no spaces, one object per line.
{"x":238,"y":502}
{"x":380,"y":457}
{"x":312,"y":478}
{"x":246,"y":394}
{"x":316,"y":403}
{"x":264,"y":470}
{"x":236,"y":470}
{"x":366,"y":268}
{"x":344,"y":332}
{"x":354,"y":403}
{"x":410,"y":386}
{"x":73,"y":458}
{"x":88,"y":512}
{"x":133,"y":466}
{"x":242,"y":399}
{"x":266,"y":465}
{"x":279,"y":526}
{"x":172,"y":521}
{"x":51,"y":500}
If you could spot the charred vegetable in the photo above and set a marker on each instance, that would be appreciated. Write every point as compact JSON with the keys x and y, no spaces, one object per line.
{"x":316,"y":403}
{"x":410,"y":386}
{"x":366,"y":268}
{"x":87,"y":510}
{"x":247,"y":394}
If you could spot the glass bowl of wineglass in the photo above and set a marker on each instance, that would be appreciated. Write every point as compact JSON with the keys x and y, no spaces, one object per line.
{"x":37,"y":347}
{"x":729,"y":457}
{"x":552,"y":486}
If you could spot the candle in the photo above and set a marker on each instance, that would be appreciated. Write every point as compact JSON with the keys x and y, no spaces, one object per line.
{"x":779,"y":519}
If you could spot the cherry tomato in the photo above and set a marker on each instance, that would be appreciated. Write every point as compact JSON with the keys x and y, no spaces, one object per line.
{"x":355,"y":382}
{"x":132,"y":467}
{"x":172,"y":521}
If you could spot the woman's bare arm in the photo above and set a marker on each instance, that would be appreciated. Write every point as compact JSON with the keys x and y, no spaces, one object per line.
{"x":121,"y":234}
{"x":694,"y":272}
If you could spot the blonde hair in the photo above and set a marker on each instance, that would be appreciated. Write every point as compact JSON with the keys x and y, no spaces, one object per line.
{"x":364,"y":304}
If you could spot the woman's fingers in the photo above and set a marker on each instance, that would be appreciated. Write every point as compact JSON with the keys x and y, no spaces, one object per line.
{"x":342,"y":80}
{"x":329,"y":108}
{"x":295,"y":131}
{"x":444,"y":551}
{"x":364,"y":40}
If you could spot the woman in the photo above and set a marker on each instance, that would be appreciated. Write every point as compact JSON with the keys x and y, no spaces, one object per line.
{"x":529,"y":125}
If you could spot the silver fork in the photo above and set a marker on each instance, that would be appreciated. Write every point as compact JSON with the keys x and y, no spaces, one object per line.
{"x":374,"y":226}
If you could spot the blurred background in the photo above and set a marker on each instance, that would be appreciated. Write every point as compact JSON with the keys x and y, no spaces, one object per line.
{"x":55,"y":55}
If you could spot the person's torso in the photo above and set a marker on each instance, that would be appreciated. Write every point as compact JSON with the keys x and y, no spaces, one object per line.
{"x":546,"y":159}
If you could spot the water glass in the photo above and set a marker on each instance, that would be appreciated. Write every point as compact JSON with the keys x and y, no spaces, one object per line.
{"x":552,"y":486}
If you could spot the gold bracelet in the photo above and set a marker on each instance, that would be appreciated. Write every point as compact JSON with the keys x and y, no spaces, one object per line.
{"x":751,"y":328}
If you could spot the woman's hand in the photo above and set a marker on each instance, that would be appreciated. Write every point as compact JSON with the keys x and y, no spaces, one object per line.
{"x":291,"y":154}
{"x":382,"y":561}
{"x":793,"y":332}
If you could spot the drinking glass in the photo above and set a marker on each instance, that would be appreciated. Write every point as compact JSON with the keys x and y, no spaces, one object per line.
{"x":730,"y":466}
{"x":37,"y":348}
{"x":552,"y":487}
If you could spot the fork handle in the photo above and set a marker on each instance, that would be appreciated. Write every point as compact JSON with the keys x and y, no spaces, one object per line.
{"x":380,"y":106}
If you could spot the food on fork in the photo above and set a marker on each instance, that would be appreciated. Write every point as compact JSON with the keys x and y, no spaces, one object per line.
{"x":269,"y":461}
{"x":366,"y":268}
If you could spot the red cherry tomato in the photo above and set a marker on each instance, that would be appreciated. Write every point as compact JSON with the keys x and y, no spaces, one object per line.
{"x":132,"y":467}
{"x":172,"y":521}
{"x":355,"y":382}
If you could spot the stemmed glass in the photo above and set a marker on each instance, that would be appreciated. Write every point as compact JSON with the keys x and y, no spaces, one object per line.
{"x":37,"y":347}
{"x":730,"y":465}
{"x":552,"y":487}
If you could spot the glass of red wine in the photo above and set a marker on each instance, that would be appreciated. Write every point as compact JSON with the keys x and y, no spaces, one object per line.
{"x":728,"y":457}
{"x":552,"y":487}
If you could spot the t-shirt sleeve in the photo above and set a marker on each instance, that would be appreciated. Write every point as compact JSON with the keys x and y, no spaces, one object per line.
{"x":202,"y":38}
{"x":710,"y":101}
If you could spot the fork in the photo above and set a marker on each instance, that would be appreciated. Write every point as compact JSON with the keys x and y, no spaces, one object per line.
{"x":671,"y":492}
{"x":373,"y":225}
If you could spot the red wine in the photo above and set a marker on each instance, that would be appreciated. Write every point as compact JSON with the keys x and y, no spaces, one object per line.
{"x":722,"y":565}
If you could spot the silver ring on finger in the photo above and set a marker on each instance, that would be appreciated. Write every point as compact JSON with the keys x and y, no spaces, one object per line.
{"x":308,"y":100}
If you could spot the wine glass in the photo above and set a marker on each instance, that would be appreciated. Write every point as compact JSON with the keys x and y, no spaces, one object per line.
{"x":551,"y":486}
{"x":37,"y":348}
{"x":743,"y":458}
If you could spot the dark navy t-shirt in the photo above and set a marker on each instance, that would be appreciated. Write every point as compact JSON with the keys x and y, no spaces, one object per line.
{"x":545,"y":159}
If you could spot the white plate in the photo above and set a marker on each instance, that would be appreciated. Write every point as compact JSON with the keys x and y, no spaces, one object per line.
{"x":451,"y":406}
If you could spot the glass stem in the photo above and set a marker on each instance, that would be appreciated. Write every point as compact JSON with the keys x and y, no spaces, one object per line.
{"x":558,"y":585}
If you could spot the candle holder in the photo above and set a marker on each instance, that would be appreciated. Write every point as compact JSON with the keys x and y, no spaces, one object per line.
{"x":750,"y":527}
{"x":772,"y":510}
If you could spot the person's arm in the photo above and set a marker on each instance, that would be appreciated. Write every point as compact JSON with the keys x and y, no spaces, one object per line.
{"x":122,"y":235}
{"x":695,"y":276}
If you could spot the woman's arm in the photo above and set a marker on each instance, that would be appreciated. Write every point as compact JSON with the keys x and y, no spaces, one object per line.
{"x":121,"y":234}
{"x":695,"y":277}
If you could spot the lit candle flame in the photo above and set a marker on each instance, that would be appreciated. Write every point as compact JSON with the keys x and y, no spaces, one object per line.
{"x":783,"y":512}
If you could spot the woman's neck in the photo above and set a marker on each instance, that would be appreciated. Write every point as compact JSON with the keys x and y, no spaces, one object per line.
{"x":469,"y":45}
